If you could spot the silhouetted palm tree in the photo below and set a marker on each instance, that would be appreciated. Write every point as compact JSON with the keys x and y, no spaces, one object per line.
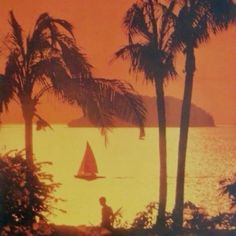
{"x":50,"y":61}
{"x":149,"y":25}
{"x":196,"y":20}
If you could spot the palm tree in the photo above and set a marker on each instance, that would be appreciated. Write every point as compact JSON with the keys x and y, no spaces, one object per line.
{"x":50,"y":61}
{"x":196,"y":20}
{"x":149,"y":25}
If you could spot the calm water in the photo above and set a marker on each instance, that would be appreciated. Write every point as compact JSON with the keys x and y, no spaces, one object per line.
{"x":131,"y":167}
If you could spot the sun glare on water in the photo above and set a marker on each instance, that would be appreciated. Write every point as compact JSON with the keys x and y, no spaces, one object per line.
{"x":130,"y":167}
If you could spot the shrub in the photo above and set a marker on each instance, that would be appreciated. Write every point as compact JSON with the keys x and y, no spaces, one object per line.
{"x":145,"y":219}
{"x":25,"y":195}
{"x":196,"y":217}
{"x":228,"y":187}
{"x":224,"y":221}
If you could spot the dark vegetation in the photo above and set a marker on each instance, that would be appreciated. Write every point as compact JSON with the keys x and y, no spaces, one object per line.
{"x":26,"y":195}
{"x":195,"y":218}
{"x":196,"y":223}
{"x":228,"y":187}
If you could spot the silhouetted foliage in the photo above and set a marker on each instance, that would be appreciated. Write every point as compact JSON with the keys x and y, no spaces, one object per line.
{"x":26,"y":195}
{"x":195,"y":219}
{"x":145,"y":219}
{"x":117,"y":221}
{"x":224,"y":221}
{"x":228,"y":187}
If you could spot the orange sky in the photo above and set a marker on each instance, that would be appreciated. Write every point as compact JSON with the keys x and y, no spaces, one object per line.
{"x":98,"y":31}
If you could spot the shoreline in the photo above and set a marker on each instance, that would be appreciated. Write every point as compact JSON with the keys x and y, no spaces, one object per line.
{"x":83,"y":230}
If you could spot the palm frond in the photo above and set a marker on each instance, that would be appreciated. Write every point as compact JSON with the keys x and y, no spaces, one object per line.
{"x":184,"y":25}
{"x":41,"y":18}
{"x":73,"y":58}
{"x":17,"y":34}
{"x":50,"y":72}
{"x":168,"y":19}
{"x":120,"y":96}
{"x":44,"y":35}
{"x":45,"y":88}
{"x":145,"y":59}
{"x":101,"y":100}
{"x":48,"y":39}
{"x":195,"y":22}
{"x":142,"y":57}
{"x":152,"y":56}
{"x":201,"y":31}
{"x":6,"y":93}
{"x":135,"y":22}
{"x":45,"y":19}
{"x":41,"y":123}
{"x":221,"y":13}
{"x":46,"y":22}
{"x":36,"y":49}
{"x":65,"y":24}
{"x":169,"y":70}
{"x":53,"y":76}
{"x":13,"y":72}
{"x":84,"y":93}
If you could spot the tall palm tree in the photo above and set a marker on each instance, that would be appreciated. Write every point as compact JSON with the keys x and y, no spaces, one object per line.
{"x":149,"y":25}
{"x":197,"y":19}
{"x":50,"y":61}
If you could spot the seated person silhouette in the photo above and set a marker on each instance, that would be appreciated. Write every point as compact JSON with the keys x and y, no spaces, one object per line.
{"x":107,"y":214}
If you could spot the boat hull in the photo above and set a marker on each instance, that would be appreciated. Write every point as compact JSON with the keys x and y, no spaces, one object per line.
{"x":89,"y":177}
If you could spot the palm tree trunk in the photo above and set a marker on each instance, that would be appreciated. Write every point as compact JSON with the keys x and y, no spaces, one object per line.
{"x":29,"y":140}
{"x":162,"y":152}
{"x":184,"y":125}
{"x":27,"y":110}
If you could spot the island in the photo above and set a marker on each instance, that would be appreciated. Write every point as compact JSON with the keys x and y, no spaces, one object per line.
{"x":199,"y":117}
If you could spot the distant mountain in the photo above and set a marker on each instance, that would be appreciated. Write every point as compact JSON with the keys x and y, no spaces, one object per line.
{"x":198,"y":118}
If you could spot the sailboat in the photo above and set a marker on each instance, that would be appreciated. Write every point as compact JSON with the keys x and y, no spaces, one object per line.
{"x":88,"y":169}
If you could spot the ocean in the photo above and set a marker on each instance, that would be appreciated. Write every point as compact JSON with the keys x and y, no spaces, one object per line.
{"x":131,"y":168}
